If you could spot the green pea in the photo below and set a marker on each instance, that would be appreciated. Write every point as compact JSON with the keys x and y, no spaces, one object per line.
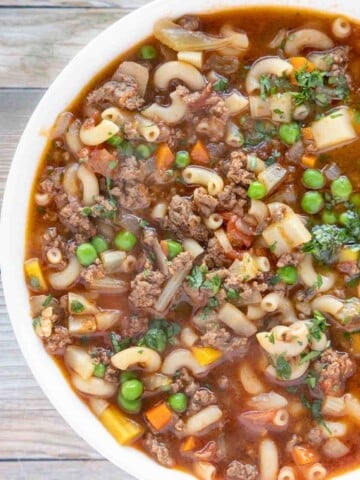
{"x":99,"y":370}
{"x":178,"y":402}
{"x":174,"y":248}
{"x":125,"y":376}
{"x":256,"y":190}
{"x":142,"y":151}
{"x":132,"y":389}
{"x":148,"y":52}
{"x":99,"y":243}
{"x":182,"y":159}
{"x":288,"y":274}
{"x":125,"y":240}
{"x":86,"y":254}
{"x":130,"y":406}
{"x":289,"y":133}
{"x":313,"y":178}
{"x":328,"y":216}
{"x":346,"y":217}
{"x":355,"y":199}
{"x":312,"y":202}
{"x":341,"y":188}
{"x":115,"y":141}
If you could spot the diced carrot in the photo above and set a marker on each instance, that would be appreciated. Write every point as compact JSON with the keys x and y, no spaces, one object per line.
{"x":164,"y":247}
{"x":299,"y":63}
{"x":308,"y":160}
{"x":188,"y":444}
{"x":304,"y":455}
{"x":159,"y":416}
{"x":206,"y":355}
{"x":164,"y":157}
{"x":102,"y":161}
{"x":307,"y":133}
{"x":199,"y":154}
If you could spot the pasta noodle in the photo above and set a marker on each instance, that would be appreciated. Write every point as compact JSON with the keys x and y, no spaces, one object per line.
{"x":223,"y":240}
{"x":249,"y":380}
{"x":268,"y":459}
{"x":95,"y":135}
{"x":341,"y":28}
{"x":214,"y":221}
{"x":204,"y":176}
{"x":236,"y":320}
{"x":90,"y":185}
{"x":287,"y":473}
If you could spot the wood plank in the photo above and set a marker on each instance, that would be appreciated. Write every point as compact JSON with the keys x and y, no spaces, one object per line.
{"x":131,"y":4}
{"x":16,"y":107}
{"x":61,"y":470}
{"x":36,"y":44}
{"x":30,"y":427}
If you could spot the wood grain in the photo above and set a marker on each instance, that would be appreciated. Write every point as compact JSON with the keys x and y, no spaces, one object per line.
{"x":61,"y":470}
{"x":126,"y":4}
{"x":36,"y":43}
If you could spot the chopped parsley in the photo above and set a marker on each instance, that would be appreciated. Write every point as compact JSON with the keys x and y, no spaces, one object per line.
{"x":308,"y":357}
{"x":76,"y":306}
{"x":118,"y":343}
{"x":221,"y":84}
{"x":319,"y":325}
{"x":213,"y":284}
{"x":283,"y":368}
{"x":160,"y":333}
{"x":271,"y":338}
{"x":143,"y":223}
{"x":196,"y":276}
{"x":315,"y":409}
{"x":272,"y":247}
{"x":232,"y":294}
{"x":311,"y":379}
{"x":327,"y":239}
{"x":47,"y":301}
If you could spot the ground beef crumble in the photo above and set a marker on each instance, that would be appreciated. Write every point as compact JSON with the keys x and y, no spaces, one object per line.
{"x":121,"y":92}
{"x":220,"y":338}
{"x":158,"y":449}
{"x":334,"y":368}
{"x":58,"y":341}
{"x":182,"y":220}
{"x":205,"y":203}
{"x":129,"y":188}
{"x":146,"y":287}
{"x":241,"y":471}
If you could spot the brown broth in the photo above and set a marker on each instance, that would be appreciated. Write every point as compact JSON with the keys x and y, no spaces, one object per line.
{"x":261,"y":25}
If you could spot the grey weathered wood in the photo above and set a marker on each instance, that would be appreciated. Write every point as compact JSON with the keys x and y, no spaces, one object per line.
{"x":131,"y":4}
{"x":36,"y":43}
{"x":69,"y":470}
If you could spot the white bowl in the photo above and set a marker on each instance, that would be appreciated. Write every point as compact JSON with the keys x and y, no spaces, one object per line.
{"x":104,"y":48}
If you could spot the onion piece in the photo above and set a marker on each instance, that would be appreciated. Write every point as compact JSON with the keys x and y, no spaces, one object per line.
{"x":112,"y":260}
{"x":171,"y":288}
{"x":179,"y":39}
{"x":107,"y":319}
{"x":109,"y":285}
{"x":61,"y":125}
{"x":80,"y":361}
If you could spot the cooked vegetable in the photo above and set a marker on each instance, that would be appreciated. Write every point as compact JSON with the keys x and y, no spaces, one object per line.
{"x":159,"y":416}
{"x":125,"y":240}
{"x":123,"y":429}
{"x":86,"y":254}
{"x":179,"y":39}
{"x":34,"y":274}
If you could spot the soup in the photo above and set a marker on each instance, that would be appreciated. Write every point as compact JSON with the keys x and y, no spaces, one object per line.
{"x":193,"y":245}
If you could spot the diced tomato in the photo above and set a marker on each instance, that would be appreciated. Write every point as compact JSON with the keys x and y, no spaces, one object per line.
{"x":236,"y":237}
{"x":102,"y":161}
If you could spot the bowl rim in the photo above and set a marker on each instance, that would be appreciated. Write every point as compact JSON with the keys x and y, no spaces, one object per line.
{"x":73,"y":78}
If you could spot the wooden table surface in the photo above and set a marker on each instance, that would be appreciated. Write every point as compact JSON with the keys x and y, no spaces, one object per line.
{"x":37,"y":39}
